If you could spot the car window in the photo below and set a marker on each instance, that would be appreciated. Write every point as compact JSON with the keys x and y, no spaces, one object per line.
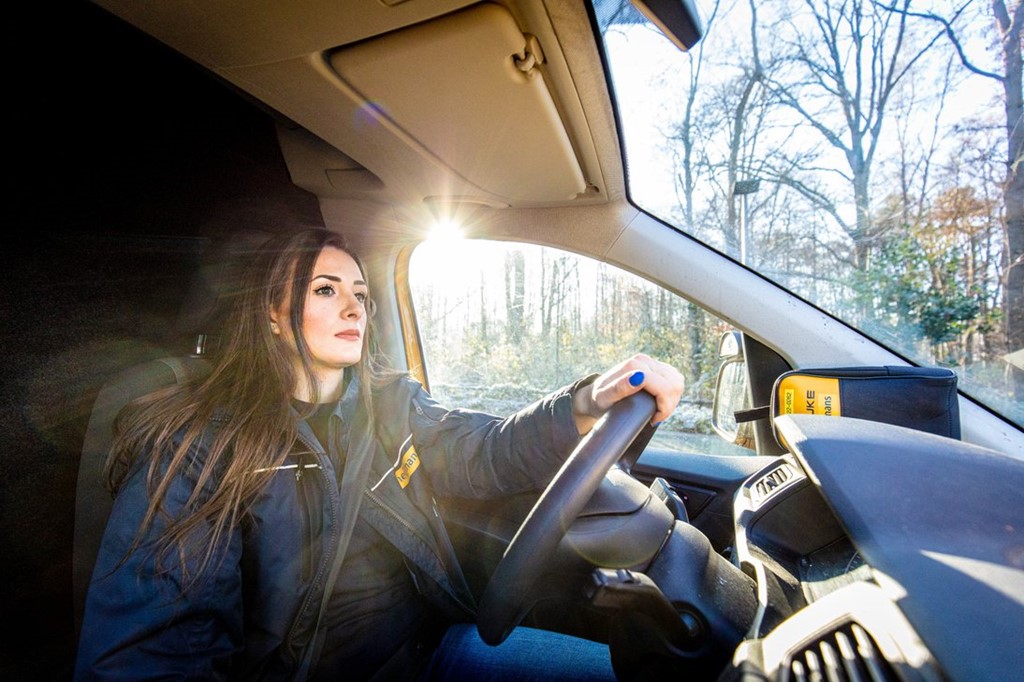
{"x":863,"y":155}
{"x":502,"y":324}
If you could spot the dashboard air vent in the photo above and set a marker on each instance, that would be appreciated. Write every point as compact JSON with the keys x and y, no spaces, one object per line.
{"x":846,"y":653}
{"x":770,"y":481}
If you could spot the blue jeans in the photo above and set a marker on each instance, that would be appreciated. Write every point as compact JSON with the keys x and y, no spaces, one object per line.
{"x":528,"y":654}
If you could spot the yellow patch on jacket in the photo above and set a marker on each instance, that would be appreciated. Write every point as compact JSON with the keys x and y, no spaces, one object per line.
{"x":407,"y":465}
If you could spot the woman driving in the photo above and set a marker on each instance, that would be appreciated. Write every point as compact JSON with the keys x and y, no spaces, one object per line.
{"x":276,"y":519}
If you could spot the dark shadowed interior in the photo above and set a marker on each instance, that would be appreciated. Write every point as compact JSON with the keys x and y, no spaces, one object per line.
{"x":127,"y":185}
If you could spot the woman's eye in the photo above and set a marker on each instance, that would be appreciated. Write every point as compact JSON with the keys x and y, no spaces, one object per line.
{"x":361,"y":297}
{"x":324,"y":290}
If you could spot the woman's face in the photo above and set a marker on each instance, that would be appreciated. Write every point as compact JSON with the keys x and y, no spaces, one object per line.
{"x":334,"y":319}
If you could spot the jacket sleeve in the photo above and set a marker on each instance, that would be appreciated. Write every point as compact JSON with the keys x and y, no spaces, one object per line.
{"x":139,"y":622}
{"x":476,"y":455}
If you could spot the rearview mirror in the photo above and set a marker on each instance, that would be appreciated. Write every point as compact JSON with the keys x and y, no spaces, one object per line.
{"x":678,"y":20}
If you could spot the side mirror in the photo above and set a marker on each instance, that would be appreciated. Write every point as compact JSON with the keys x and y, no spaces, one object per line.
{"x":731,"y":391}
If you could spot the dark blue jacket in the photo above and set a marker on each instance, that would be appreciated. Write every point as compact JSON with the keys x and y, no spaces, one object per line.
{"x":256,"y":606}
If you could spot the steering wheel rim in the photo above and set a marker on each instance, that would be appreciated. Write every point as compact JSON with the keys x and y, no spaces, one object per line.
{"x":502,"y":606}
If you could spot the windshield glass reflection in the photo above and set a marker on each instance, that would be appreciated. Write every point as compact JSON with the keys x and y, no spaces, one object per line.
{"x":857,"y":153}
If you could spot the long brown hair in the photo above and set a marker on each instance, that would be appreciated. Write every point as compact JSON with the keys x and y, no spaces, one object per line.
{"x":226,"y":432}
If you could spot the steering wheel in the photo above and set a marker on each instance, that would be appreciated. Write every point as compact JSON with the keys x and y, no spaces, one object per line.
{"x":502,"y":606}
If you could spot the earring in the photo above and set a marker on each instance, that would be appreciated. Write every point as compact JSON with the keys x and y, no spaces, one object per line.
{"x":274,"y":328}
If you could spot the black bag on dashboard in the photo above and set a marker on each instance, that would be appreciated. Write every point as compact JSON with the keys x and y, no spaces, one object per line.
{"x":922,"y":398}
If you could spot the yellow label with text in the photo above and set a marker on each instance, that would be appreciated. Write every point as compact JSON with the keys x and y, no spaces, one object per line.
{"x":801,"y":394}
{"x":408,"y":464}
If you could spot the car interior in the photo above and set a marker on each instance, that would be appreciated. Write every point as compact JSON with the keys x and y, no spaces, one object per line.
{"x":158,"y":144}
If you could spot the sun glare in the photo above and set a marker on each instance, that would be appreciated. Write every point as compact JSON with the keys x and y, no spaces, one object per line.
{"x":445,"y":231}
{"x":448,"y":259}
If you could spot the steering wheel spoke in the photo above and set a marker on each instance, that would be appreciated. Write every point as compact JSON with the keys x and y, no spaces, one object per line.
{"x":504,"y":604}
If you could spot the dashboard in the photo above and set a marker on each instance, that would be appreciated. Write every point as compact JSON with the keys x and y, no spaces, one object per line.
{"x":882,"y":553}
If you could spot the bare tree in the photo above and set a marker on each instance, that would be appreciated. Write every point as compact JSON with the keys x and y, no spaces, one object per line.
{"x":917,"y":147}
{"x":1009,"y":22}
{"x":845,"y":63}
{"x":515,"y":278}
{"x":687,"y":136}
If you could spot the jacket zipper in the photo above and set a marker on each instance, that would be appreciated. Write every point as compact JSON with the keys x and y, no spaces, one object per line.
{"x":421,"y":412}
{"x":448,"y":547}
{"x":307,"y":531}
{"x":391,"y":512}
{"x":293,"y":632}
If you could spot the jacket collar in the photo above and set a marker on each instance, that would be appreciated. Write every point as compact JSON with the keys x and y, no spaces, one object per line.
{"x":347,"y":409}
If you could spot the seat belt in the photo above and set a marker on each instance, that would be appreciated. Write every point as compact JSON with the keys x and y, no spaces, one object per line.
{"x":353,"y":480}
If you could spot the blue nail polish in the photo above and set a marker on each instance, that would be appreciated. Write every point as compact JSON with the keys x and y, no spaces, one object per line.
{"x":636,"y":378}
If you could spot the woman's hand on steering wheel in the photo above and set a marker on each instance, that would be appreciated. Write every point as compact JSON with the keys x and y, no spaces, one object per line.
{"x":640,"y":372}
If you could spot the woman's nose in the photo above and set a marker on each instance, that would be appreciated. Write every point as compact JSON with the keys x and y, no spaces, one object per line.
{"x":353,"y":308}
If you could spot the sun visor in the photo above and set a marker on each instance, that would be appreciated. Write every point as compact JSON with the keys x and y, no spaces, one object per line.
{"x":468,"y":90}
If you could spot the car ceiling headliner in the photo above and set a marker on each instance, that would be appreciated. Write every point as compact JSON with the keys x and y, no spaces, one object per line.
{"x":403,"y":170}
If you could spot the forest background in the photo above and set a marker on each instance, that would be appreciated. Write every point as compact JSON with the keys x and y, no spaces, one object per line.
{"x":868,"y":156}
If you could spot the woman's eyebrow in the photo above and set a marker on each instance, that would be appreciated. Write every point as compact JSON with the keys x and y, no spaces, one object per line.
{"x":334,"y":278}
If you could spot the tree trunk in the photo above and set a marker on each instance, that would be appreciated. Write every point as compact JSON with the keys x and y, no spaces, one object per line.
{"x":515,"y":273}
{"x":1012,"y":32}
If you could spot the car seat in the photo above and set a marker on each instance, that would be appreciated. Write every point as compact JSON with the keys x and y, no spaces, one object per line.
{"x":92,"y":500}
{"x":202,"y":316}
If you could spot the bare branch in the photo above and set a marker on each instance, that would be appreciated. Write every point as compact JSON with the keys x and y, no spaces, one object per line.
{"x":950,"y":33}
{"x":818,"y":198}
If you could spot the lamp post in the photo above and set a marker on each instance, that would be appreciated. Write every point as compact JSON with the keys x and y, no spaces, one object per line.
{"x":743,"y":188}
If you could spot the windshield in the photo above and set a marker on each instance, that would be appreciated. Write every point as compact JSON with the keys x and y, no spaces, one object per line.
{"x":860,"y":154}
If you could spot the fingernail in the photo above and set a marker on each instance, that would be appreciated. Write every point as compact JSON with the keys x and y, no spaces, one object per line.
{"x":657,"y":424}
{"x":636,"y":378}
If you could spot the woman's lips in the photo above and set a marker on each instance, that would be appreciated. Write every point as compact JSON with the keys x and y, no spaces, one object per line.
{"x":351,"y":335}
